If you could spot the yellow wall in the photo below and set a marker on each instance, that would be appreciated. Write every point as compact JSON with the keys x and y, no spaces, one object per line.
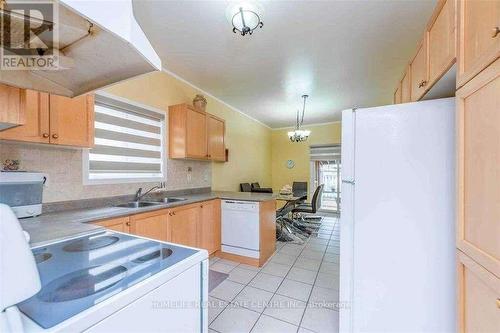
{"x":248,"y":141}
{"x":283,"y":149}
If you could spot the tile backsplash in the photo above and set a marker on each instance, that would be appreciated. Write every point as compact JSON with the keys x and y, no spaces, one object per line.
{"x":63,"y":167}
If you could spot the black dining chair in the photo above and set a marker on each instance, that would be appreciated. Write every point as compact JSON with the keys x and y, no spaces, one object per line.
{"x":299,"y":189}
{"x":245,"y":187}
{"x":256,"y":188}
{"x":314,"y":206}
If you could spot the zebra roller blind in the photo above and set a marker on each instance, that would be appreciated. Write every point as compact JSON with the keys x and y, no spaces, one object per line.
{"x":128,"y":141}
{"x":324,"y":152}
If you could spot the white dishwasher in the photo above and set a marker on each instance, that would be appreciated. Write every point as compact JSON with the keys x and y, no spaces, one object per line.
{"x":240,"y":228}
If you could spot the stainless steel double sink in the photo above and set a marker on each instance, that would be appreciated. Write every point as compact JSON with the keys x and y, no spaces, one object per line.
{"x":139,"y":204}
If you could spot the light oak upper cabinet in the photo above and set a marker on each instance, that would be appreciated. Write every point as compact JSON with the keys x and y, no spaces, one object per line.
{"x":72,"y":120}
{"x":478,"y":299}
{"x":397,"y":95}
{"x":55,"y":120}
{"x":215,"y":138}
{"x":419,"y":75}
{"x":12,"y":109}
{"x":478,"y":112}
{"x":183,"y":224}
{"x":36,"y":127}
{"x":406,"y":88}
{"x":442,"y":41}
{"x":209,"y":229}
{"x":151,"y":225}
{"x":187,"y":132}
{"x":479,"y":37}
{"x":194,"y":134}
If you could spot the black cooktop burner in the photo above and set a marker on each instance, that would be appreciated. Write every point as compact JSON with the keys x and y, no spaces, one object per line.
{"x":82,"y":283}
{"x":91,"y":243}
{"x":42,"y":256}
{"x":165,"y":252}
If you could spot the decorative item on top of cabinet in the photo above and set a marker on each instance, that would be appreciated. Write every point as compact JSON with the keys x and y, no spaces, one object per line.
{"x":478,"y":149}
{"x":419,"y":74}
{"x":406,"y":87}
{"x":55,"y":120}
{"x":478,"y":37}
{"x":194,"y":134}
{"x":442,"y":40}
{"x":12,"y":106}
{"x":478,"y":297}
{"x":200,"y":103}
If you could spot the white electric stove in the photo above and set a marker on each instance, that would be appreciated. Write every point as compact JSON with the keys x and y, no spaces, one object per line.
{"x":114,"y":282}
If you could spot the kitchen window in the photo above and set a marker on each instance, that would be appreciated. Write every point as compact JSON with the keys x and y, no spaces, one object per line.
{"x":128,"y":143}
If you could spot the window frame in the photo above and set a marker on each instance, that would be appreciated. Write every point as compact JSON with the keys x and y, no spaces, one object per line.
{"x":86,"y":180}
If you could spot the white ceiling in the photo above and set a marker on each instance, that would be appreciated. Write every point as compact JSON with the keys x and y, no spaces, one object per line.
{"x":342,"y":53}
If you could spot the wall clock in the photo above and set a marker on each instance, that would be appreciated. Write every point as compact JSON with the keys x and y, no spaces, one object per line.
{"x":290,"y":164}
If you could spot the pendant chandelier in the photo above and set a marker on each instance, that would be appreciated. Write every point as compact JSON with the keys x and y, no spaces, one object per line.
{"x":300,"y":135}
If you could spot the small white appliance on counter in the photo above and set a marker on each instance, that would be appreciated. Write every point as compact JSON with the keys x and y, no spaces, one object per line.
{"x":22,"y":191}
{"x":397,"y":262}
{"x":240,"y":228}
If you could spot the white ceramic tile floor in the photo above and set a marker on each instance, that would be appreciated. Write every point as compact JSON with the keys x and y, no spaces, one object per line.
{"x":296,"y":291}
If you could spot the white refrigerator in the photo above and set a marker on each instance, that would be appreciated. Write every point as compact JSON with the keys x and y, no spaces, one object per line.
{"x":397,"y":262}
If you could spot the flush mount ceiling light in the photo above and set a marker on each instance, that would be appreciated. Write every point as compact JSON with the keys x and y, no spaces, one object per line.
{"x":300,"y":135}
{"x":245,"y":18}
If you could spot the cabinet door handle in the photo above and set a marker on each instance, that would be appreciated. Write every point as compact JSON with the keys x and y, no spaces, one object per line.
{"x":424,"y":83}
{"x":55,"y":136}
{"x":128,"y":224}
{"x":45,"y":135}
{"x":201,"y":206}
{"x":495,"y":32}
{"x":498,"y":303}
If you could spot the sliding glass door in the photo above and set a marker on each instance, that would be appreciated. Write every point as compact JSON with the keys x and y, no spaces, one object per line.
{"x":326,"y":169}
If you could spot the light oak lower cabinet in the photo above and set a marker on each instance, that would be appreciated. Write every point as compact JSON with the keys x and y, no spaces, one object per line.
{"x":151,"y":225}
{"x":183,"y":224}
{"x":478,"y":126}
{"x":478,"y":37}
{"x":209,"y":231}
{"x":120,"y":224}
{"x":196,"y":225}
{"x":479,"y":297}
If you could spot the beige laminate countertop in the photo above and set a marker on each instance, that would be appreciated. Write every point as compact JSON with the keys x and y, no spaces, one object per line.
{"x":48,"y":228}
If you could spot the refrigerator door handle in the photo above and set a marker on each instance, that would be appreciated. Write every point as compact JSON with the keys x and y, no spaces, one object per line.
{"x":349,"y":181}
